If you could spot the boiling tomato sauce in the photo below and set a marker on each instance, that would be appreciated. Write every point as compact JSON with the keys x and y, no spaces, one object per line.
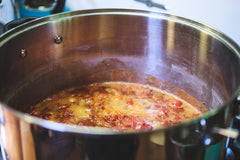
{"x":117,"y":105}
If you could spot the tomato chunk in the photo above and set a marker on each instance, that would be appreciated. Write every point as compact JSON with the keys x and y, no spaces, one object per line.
{"x":176,"y":103}
{"x":130,"y":102}
{"x":140,"y":124}
{"x":135,"y":123}
{"x":111,"y":118}
{"x":126,"y":122}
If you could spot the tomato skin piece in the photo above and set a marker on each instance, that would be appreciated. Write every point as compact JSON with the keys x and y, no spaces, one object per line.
{"x":163,"y":112}
{"x":111,"y":118}
{"x":165,"y":123}
{"x":135,"y":123}
{"x":140,"y":124}
{"x":126,"y":122}
{"x":130,"y":102}
{"x":160,"y":104}
{"x":176,"y":103}
{"x":178,"y":110}
{"x":177,"y":118}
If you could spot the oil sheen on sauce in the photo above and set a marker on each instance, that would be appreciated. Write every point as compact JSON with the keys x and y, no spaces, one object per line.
{"x":118,"y":105}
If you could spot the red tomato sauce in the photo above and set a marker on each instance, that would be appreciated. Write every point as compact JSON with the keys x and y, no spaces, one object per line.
{"x":118,"y":105}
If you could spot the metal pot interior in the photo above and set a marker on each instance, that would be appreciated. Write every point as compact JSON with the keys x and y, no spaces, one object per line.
{"x":156,"y":49}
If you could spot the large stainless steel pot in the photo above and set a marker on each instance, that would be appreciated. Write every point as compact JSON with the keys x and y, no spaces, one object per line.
{"x":76,"y":48}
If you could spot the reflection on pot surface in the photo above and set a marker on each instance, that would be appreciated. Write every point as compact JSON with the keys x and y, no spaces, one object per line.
{"x":154,"y":49}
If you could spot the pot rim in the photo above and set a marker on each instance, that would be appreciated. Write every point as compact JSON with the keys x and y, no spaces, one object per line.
{"x":94,"y":12}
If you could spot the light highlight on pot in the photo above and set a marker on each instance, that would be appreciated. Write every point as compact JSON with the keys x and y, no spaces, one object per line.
{"x":154,"y":44}
{"x":207,"y":141}
{"x":170,"y":36}
{"x":203,"y":47}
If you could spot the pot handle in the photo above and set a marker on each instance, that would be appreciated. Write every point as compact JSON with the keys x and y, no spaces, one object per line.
{"x":233,"y":133}
{"x":14,"y":23}
{"x":227,"y":132}
{"x":234,"y":144}
{"x":234,"y":130}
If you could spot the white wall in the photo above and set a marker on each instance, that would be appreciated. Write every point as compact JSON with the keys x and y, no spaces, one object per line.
{"x":223,"y":15}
